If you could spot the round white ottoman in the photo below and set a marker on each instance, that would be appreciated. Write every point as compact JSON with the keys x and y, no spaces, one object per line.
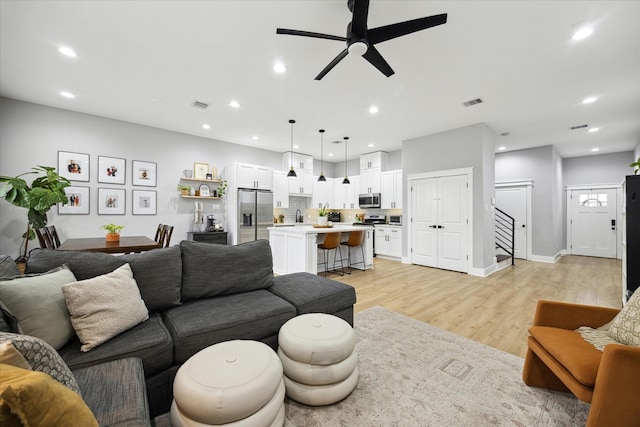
{"x":319,"y":360}
{"x":230,"y":382}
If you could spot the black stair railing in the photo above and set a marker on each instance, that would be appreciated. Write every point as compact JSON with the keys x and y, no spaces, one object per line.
{"x":505,"y":233}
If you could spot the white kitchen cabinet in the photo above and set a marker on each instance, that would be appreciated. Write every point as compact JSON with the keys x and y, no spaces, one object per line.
{"x":298,"y":160}
{"x":388,"y":241}
{"x":253,"y":176}
{"x":302,"y":184}
{"x":370,"y":180}
{"x":323,"y":193}
{"x":346,"y":195}
{"x":280,"y":190}
{"x":391,"y":189}
{"x":377,"y":160}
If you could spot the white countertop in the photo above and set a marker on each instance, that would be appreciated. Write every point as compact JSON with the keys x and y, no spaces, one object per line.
{"x":309,"y":229}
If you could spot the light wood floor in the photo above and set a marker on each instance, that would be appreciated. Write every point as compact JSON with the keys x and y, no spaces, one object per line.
{"x":495,"y":310}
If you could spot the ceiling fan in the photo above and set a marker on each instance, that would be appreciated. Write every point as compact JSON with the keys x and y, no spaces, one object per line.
{"x":361,"y":40}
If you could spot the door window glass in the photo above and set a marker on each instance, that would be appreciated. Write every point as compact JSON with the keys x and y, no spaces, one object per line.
{"x":593,"y":200}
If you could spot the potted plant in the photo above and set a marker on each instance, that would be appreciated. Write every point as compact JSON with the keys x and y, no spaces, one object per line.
{"x":222,"y":188}
{"x":635,"y":165}
{"x":323,"y":214}
{"x":45,"y":191}
{"x":113,"y":234}
{"x":184,"y":189}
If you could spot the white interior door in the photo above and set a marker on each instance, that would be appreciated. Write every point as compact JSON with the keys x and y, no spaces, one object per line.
{"x":439,"y":222}
{"x":593,"y":216}
{"x":513,"y":201}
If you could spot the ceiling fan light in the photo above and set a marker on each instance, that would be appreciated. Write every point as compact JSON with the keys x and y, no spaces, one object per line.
{"x":358,"y":48}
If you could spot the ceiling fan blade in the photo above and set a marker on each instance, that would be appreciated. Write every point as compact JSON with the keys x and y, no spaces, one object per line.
{"x":309,"y":34}
{"x":332,"y":64}
{"x":360,"y":13}
{"x":373,"y":56}
{"x":388,"y":32}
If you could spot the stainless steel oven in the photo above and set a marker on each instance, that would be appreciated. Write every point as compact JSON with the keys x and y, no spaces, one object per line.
{"x":369,"y":200}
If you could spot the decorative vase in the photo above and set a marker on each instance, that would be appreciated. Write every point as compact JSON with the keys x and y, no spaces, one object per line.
{"x":113,"y":237}
{"x":322,"y":220}
{"x":184,"y":192}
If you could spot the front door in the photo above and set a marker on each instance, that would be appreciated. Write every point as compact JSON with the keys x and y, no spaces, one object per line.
{"x":593,"y":226}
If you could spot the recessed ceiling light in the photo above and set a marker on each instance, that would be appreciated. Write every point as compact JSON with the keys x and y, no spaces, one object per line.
{"x":296,"y":146}
{"x":502,"y":148}
{"x":234,"y":104}
{"x":590,"y":100}
{"x":582,"y":33}
{"x":592,"y":130}
{"x":370,"y":145}
{"x":206,"y":126}
{"x":279,"y":67}
{"x":156,"y":99}
{"x":67,"y":94}
{"x":595,"y":149}
{"x":67,"y":51}
{"x":373,"y":109}
{"x":330,"y":154}
{"x":254,"y":137}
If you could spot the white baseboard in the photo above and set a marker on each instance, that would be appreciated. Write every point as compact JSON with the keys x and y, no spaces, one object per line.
{"x":547,"y":259}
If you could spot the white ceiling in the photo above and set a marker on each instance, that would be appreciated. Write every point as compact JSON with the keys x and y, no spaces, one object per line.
{"x":147,"y":61}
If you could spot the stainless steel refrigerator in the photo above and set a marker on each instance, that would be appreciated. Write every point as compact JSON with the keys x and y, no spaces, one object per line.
{"x":255,"y":214}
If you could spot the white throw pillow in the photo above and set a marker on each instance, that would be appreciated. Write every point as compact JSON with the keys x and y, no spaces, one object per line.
{"x":35,"y":304}
{"x":625,"y":327}
{"x":104,"y":306}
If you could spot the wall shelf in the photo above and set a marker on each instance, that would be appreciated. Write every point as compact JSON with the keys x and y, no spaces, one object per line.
{"x":213,"y":181}
{"x":201,"y":197}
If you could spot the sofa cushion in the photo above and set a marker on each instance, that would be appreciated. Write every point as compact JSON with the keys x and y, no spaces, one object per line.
{"x":9,"y":355}
{"x":42,"y":357}
{"x":149,"y":341}
{"x":104,"y":306}
{"x":8,"y":267}
{"x":37,"y":306}
{"x":38,"y":400}
{"x":248,"y":316}
{"x":310,"y":293}
{"x":209,"y":270}
{"x":115,"y":402}
{"x":158,"y":272}
{"x":578,"y":356}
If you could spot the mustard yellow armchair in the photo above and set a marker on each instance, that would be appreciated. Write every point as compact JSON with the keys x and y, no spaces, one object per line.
{"x":559,"y":358}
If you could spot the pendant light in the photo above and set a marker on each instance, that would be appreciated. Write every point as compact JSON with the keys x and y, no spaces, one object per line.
{"x":292,"y":173}
{"x":321,"y":178}
{"x":346,"y":179}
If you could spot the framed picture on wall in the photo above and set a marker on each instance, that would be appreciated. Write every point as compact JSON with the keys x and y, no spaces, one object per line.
{"x":73,"y":166}
{"x":78,"y":201}
{"x":111,"y":201}
{"x":144,"y":173}
{"x":200,"y":170}
{"x":111,"y":170}
{"x":144,"y":202}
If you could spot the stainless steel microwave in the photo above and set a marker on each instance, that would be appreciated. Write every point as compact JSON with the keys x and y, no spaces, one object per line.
{"x":369,"y":200}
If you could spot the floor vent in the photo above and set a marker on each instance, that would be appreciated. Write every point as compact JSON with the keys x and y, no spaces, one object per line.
{"x":200,"y":105}
{"x":579,"y":127}
{"x":473,"y":102}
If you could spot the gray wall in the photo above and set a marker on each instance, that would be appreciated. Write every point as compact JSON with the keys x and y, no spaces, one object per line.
{"x":598,"y":169}
{"x":473,"y":147}
{"x":32,"y":134}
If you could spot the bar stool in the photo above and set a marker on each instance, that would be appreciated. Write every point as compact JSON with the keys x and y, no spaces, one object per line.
{"x":356,"y":238}
{"x":331,"y":241}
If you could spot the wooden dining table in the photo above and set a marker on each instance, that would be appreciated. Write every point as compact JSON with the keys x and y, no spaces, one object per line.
{"x":127,"y":244}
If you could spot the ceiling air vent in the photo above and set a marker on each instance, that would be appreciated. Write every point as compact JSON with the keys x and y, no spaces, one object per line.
{"x":200,"y":105}
{"x":473,"y":102}
{"x":579,"y":127}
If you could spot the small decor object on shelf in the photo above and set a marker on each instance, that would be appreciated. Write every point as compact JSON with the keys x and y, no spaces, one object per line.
{"x":222,"y":188}
{"x":113,"y":234}
{"x":188,"y":173}
{"x":200,"y":170}
{"x":184,"y":189}
{"x":204,"y":190}
{"x":214,"y":172}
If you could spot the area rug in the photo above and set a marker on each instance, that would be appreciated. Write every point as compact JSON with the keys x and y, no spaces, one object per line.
{"x":414,"y":374}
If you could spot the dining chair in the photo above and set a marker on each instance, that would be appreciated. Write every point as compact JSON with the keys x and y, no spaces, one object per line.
{"x":160,"y":234}
{"x":44,"y":238}
{"x":356,"y":238}
{"x":168,"y":231}
{"x":53,"y":235}
{"x":331,"y":241}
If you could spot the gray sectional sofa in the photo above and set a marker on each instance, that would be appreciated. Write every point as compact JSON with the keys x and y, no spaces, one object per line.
{"x":197,"y":295}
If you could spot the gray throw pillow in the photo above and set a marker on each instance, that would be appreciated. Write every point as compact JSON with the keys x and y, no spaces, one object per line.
{"x":36,"y":305}
{"x":42,"y":357}
{"x":8,"y":267}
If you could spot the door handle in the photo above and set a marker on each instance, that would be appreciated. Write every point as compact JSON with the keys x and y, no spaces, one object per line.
{"x":433,"y":226}
{"x":440,"y":226}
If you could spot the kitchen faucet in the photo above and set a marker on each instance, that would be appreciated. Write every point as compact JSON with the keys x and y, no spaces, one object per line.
{"x":298,"y":215}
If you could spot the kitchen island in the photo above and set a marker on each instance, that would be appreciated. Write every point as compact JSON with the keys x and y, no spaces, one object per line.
{"x":295,"y":249}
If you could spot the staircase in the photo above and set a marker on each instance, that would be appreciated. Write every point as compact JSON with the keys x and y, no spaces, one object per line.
{"x":505,"y":236}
